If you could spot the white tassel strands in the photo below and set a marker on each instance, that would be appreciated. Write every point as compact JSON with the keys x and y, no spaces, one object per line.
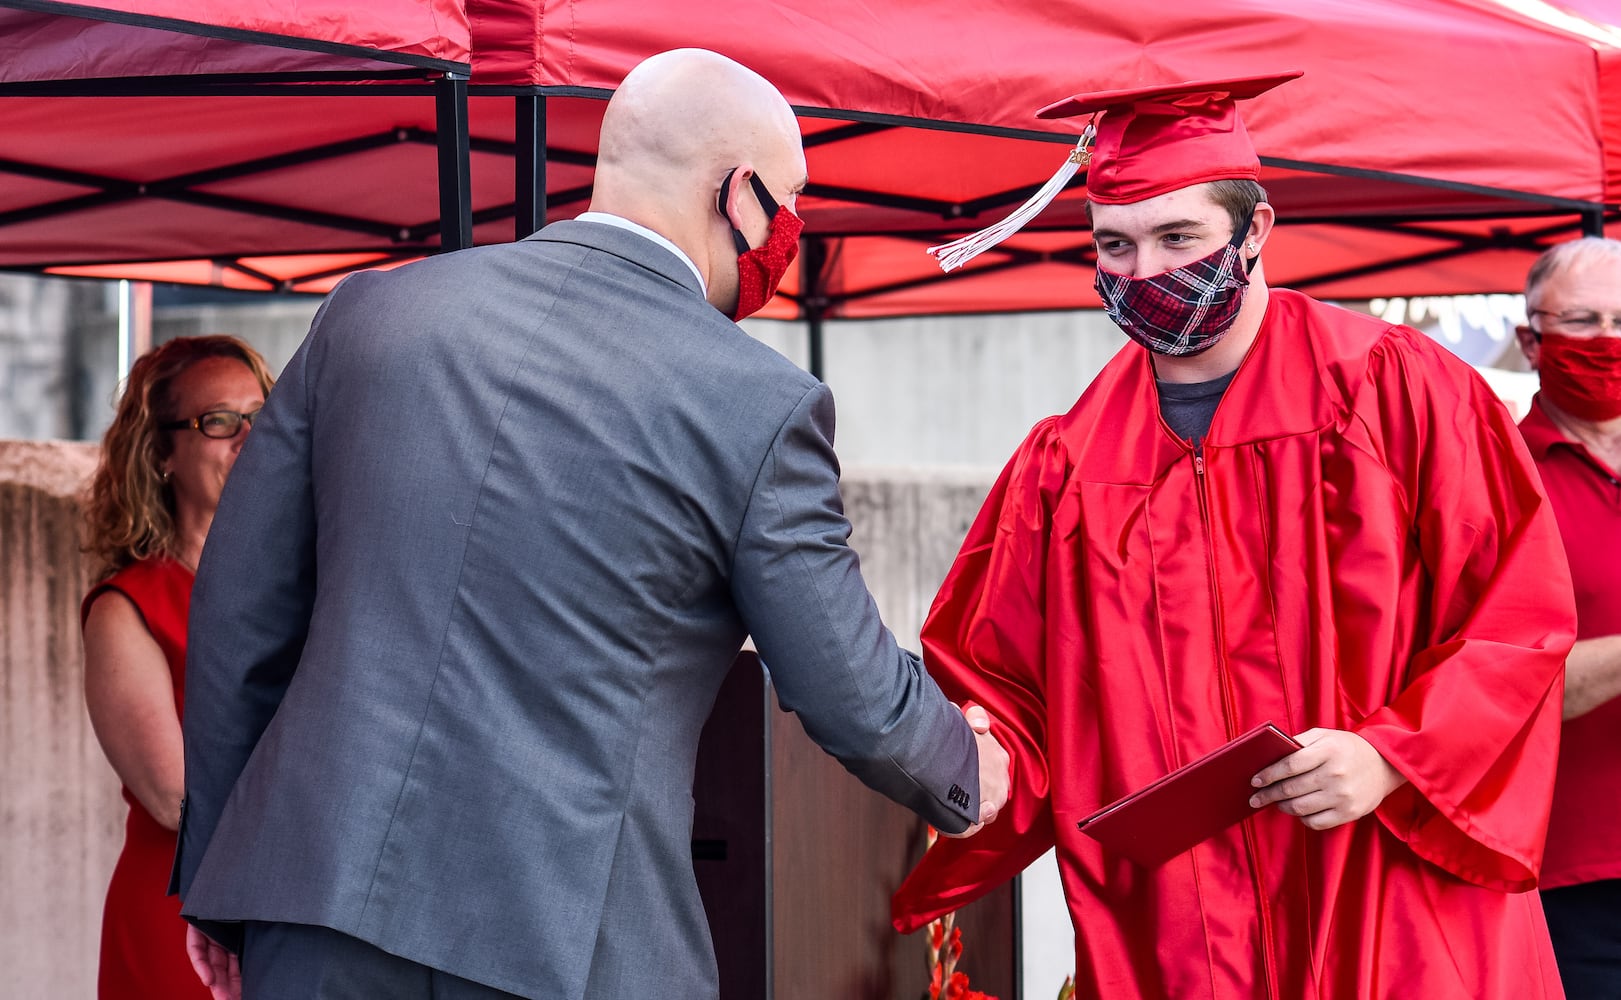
{"x":960,"y":251}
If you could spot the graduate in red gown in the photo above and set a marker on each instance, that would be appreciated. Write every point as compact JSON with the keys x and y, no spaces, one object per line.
{"x":1263,"y":509}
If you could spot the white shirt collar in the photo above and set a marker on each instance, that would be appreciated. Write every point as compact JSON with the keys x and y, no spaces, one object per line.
{"x":607,"y":219}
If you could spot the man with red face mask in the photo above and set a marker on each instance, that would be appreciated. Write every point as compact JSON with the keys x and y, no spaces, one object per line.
{"x":1572,"y":337}
{"x":479,"y":573}
{"x":1264,"y":509}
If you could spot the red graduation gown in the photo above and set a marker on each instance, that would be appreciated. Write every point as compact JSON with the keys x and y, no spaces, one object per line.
{"x":1364,"y":545}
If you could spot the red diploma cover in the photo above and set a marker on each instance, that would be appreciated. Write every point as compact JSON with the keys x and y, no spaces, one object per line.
{"x":1196,"y":801}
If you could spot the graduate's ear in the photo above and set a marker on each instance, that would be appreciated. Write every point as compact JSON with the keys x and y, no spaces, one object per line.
{"x":1261,"y":222}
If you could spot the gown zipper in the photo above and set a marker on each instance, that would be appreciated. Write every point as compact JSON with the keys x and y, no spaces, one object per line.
{"x":1251,"y":849}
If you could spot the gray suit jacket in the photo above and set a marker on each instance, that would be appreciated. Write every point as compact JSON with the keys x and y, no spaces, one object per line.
{"x":472,"y":587}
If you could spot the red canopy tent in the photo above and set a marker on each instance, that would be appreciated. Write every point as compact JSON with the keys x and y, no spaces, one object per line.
{"x":92,"y":171}
{"x":202,"y":40}
{"x":1432,"y":147}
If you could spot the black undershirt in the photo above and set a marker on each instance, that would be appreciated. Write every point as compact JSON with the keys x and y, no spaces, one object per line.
{"x":1188,"y":406}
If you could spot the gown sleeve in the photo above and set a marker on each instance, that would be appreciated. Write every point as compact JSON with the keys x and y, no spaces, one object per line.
{"x":984,"y":642}
{"x":1474,"y":726}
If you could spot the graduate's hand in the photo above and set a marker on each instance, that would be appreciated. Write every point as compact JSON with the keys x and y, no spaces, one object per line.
{"x":1335,"y":777}
{"x":218,"y":969}
{"x":994,"y":770}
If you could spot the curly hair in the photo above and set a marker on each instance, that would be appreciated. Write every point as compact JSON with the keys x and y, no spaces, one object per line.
{"x":129,"y":509}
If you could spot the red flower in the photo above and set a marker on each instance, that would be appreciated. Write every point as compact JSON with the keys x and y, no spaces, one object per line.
{"x":945,"y":949}
{"x":959,"y":990}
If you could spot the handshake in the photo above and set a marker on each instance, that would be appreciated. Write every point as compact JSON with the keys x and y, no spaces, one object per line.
{"x":994,"y":770}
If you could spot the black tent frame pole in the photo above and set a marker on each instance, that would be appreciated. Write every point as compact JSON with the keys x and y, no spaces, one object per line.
{"x":1593,"y":222}
{"x":813,"y":301}
{"x":529,"y":172}
{"x":813,"y":320}
{"x":455,"y":166}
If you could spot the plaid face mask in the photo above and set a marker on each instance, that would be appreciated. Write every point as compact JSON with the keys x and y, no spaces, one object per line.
{"x":1183,"y":311}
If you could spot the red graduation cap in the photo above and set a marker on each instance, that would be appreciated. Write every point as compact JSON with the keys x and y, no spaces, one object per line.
{"x":1148,"y":140}
{"x":1160,"y":138}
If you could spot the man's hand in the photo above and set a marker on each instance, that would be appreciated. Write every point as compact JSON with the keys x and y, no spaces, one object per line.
{"x":1335,"y":777}
{"x":217,"y":968}
{"x":994,"y":770}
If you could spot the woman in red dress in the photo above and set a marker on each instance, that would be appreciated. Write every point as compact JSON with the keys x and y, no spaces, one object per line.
{"x":182,"y":419}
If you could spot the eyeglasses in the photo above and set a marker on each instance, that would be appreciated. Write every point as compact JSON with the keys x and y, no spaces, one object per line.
{"x":1579,"y":322}
{"x":214,"y":423}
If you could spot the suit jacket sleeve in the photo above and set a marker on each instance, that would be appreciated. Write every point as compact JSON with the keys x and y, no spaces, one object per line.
{"x":1475,"y":728}
{"x":250,"y":607}
{"x":861,"y":697}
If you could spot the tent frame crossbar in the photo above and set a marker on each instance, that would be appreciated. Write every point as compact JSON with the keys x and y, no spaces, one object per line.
{"x":531,"y":201}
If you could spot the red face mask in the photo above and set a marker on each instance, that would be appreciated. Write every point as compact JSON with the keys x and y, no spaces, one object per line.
{"x":1582,"y":375}
{"x":760,"y":269}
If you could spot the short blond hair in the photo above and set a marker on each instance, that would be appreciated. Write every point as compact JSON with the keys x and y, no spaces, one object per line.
{"x":1564,"y":257}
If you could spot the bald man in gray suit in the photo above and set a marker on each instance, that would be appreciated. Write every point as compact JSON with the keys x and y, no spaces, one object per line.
{"x":481,"y":567}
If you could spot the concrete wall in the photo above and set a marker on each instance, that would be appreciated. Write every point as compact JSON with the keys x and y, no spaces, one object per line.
{"x":907,"y":524}
{"x":275,"y":327}
{"x":949,"y":390}
{"x":37,"y":367}
{"x":61,"y":820}
{"x":958,"y":390}
{"x":929,"y":409}
{"x":59,"y":348}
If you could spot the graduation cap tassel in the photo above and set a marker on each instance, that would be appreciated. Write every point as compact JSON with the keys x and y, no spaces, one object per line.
{"x":960,"y":251}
